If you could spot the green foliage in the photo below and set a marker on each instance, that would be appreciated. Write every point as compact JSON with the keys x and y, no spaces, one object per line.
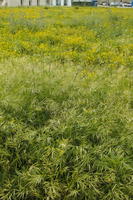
{"x":66,"y":116}
{"x":63,"y":137}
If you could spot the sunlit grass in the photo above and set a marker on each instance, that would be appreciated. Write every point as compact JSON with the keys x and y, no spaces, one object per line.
{"x":66,"y":104}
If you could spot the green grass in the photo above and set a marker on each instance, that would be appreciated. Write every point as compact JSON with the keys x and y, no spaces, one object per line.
{"x":64,"y":136}
{"x":66,"y":126}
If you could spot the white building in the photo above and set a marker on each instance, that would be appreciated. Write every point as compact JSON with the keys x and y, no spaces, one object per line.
{"x":15,"y":3}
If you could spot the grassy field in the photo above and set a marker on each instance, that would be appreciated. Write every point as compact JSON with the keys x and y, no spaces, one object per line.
{"x":66,"y":104}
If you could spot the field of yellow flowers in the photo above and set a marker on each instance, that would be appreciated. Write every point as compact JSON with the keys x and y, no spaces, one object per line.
{"x":66,"y":103}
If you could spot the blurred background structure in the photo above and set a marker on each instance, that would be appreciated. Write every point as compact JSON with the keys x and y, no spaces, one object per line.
{"x":115,"y":3}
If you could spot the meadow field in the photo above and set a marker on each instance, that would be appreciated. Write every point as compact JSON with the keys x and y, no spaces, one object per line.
{"x":66,"y":103}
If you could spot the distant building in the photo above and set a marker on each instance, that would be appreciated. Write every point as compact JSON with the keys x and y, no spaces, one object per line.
{"x":84,"y":2}
{"x":15,"y":3}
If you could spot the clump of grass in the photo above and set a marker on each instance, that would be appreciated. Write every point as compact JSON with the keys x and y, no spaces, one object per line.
{"x":46,"y":7}
{"x":76,"y":7}
{"x":17,"y":24}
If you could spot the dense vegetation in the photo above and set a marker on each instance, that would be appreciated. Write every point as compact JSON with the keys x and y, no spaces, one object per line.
{"x":66,"y":104}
